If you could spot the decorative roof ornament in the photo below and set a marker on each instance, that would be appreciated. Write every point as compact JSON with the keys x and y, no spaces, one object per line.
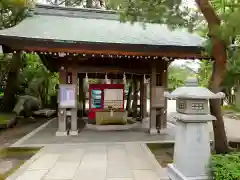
{"x":124,"y":78}
{"x":31,"y":9}
{"x":191,"y":82}
{"x":62,"y":54}
{"x":106,"y":79}
{"x":86,"y":84}
{"x":145,"y":79}
{"x":191,"y":90}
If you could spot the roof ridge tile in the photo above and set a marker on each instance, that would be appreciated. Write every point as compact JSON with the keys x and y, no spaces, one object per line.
{"x":42,"y":9}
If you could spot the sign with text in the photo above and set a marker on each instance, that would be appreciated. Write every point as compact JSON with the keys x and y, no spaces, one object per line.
{"x":68,"y":96}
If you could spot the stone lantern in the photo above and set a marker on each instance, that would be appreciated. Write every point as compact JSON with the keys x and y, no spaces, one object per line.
{"x":192,"y":139}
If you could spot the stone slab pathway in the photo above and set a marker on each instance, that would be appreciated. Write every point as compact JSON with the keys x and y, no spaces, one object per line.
{"x":126,"y":161}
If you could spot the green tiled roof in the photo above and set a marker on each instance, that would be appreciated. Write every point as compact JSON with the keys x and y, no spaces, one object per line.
{"x":87,"y":25}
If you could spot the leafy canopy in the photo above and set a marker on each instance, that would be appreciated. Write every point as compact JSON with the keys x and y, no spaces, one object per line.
{"x":13,"y":11}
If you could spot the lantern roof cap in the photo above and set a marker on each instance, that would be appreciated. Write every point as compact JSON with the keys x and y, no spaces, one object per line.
{"x":191,"y":90}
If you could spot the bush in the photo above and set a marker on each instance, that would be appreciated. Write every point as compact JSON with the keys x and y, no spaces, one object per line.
{"x":226,"y":167}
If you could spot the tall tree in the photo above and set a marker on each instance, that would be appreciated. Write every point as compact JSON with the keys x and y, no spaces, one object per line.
{"x":12,"y":12}
{"x":174,"y":14}
{"x":220,"y":36}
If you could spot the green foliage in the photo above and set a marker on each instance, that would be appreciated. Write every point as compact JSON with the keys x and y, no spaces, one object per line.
{"x":4,"y":118}
{"x":177,"y":75}
{"x":229,"y":12}
{"x":116,"y":4}
{"x":233,"y":108}
{"x":13,"y":11}
{"x":204,"y":72}
{"x":164,"y":12}
{"x":226,"y":167}
{"x":37,"y":80}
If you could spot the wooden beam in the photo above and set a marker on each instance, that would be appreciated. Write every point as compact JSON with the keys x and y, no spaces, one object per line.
{"x":43,"y":45}
{"x":110,"y":76}
{"x":174,"y":54}
{"x":110,"y":70}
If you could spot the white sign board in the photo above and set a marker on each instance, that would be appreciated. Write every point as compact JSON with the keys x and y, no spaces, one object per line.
{"x":113,"y":97}
{"x":113,"y":94}
{"x":68,"y":96}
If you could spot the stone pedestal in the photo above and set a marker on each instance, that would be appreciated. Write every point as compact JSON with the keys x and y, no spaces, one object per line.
{"x":192,"y":148}
{"x":145,"y":123}
{"x":152,"y":129}
{"x":62,"y":124}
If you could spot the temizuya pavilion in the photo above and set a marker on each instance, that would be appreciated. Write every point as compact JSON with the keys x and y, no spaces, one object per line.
{"x":75,"y":41}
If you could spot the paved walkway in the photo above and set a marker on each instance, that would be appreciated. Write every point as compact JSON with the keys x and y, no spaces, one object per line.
{"x":47,"y":136}
{"x":128,"y":161}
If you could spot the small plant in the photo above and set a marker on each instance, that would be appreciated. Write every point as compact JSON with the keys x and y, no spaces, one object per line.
{"x":226,"y":167}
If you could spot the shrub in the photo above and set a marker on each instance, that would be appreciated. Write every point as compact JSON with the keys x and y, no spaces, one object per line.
{"x":226,"y":167}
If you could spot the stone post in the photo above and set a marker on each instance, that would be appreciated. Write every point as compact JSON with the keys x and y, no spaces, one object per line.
{"x":62,"y":124}
{"x":192,"y":140}
{"x":74,"y":118}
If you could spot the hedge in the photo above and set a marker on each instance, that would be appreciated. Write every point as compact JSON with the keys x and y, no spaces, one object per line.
{"x":226,"y":167}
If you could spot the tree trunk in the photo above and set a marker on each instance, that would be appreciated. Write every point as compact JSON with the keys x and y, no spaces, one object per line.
{"x":68,"y":3}
{"x":12,"y":84}
{"x":89,"y":3}
{"x":219,"y":68}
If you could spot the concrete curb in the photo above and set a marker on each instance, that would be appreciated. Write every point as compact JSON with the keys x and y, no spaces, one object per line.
{"x":24,"y":167}
{"x":24,"y":138}
{"x":161,"y":172}
{"x":95,"y":143}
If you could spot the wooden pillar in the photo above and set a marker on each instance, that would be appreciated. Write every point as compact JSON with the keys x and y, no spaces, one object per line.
{"x":143,"y":98}
{"x":153,"y":113}
{"x":84,"y":99}
{"x":135,"y":97}
{"x":165,"y":85}
{"x":74,"y":118}
{"x":62,"y":122}
{"x":81,"y":96}
{"x":129,"y":97}
{"x":159,"y":110}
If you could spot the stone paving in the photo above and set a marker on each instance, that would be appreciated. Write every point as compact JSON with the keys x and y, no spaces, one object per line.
{"x":128,"y":161}
{"x":47,"y":136}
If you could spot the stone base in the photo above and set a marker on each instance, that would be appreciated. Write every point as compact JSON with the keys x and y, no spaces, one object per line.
{"x":175,"y":174}
{"x":111,"y":127}
{"x":153,"y":131}
{"x":61,"y":133}
{"x":73,"y":133}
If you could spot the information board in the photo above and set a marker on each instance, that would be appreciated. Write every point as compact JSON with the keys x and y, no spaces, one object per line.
{"x":68,"y":96}
{"x":113,"y":98}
